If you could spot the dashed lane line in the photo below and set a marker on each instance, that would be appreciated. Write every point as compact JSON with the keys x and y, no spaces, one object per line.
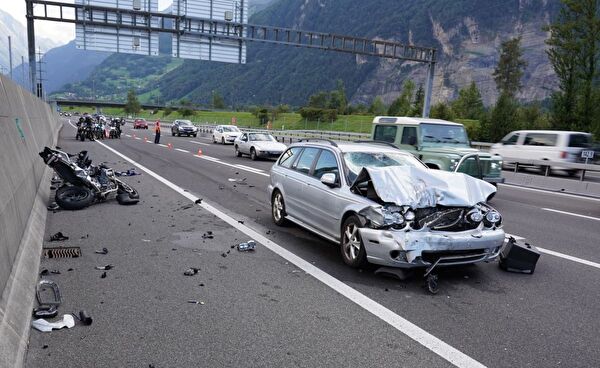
{"x":571,"y":214}
{"x":182,"y":150}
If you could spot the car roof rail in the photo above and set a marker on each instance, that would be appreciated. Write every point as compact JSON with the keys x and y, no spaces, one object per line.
{"x":318,"y":140}
{"x":377,"y":142}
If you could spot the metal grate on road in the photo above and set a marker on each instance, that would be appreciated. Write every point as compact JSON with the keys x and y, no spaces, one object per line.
{"x":62,"y":252}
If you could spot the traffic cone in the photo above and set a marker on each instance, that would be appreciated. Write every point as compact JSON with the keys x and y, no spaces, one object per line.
{"x":145,"y":139}
{"x":170,"y":146}
{"x":199,"y":152}
{"x":134,"y":136}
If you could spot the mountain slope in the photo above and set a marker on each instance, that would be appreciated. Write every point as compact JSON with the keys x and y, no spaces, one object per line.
{"x":467,"y":34}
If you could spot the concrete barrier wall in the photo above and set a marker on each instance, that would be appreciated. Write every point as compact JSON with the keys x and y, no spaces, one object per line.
{"x":27,"y":124}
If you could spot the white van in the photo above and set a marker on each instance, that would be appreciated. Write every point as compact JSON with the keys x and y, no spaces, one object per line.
{"x":551,"y":145}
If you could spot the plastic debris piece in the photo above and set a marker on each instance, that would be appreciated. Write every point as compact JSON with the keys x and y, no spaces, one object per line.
{"x":198,"y":201}
{"x":45,"y":347}
{"x":45,"y":311}
{"x":85,"y":318}
{"x":58,"y":237}
{"x":248,"y":246}
{"x":103,"y":276}
{"x":70,"y":269}
{"x":55,"y":272}
{"x":44,"y":272}
{"x":53,"y":207}
{"x":241,"y":222}
{"x":102,"y":251}
{"x":44,"y":326}
{"x":224,"y":255}
{"x":105,"y":268}
{"x":191,"y":271}
{"x":42,"y":286}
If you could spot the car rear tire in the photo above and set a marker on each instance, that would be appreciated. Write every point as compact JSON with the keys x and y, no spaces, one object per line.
{"x":73,"y":198}
{"x":222,"y":140}
{"x":351,"y":245}
{"x":237,"y":152}
{"x":278,"y":209}
{"x":253,"y":155}
{"x":214,"y":140}
{"x":195,"y":135}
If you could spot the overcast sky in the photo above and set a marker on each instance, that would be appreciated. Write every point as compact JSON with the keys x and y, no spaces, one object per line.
{"x":59,"y":32}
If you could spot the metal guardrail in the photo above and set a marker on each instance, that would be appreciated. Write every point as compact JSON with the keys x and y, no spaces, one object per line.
{"x":547,"y":165}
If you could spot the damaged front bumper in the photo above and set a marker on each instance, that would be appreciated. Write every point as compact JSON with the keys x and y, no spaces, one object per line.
{"x":427,"y":248}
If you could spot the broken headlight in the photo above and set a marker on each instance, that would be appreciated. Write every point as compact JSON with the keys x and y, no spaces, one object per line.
{"x":387,"y":216}
{"x":493,"y":218}
{"x":474,"y":216}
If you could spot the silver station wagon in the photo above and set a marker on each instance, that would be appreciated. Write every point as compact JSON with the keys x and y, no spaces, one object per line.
{"x":384,"y":206}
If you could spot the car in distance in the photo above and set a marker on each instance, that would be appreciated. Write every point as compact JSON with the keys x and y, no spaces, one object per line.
{"x":140,"y":124}
{"x":225,"y":134}
{"x":440,"y":144}
{"x":545,"y":145}
{"x":384,"y":206}
{"x":258,"y":145}
{"x":184,"y":127}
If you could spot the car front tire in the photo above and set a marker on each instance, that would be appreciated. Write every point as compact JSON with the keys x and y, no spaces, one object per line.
{"x":253,"y":155}
{"x":237,"y":152}
{"x":351,"y":245}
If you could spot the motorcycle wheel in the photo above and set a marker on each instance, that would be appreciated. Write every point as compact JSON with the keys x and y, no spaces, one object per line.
{"x":126,"y":189}
{"x":73,"y":198}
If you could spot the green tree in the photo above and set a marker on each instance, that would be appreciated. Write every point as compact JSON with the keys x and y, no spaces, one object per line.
{"x":501,"y":120}
{"x":441,"y":111}
{"x":186,"y":111}
{"x":417,"y":109}
{"x":510,"y":68}
{"x":217,"y":100}
{"x":337,"y":98}
{"x":403,"y":104}
{"x":319,"y":100}
{"x":133,"y":104}
{"x":573,"y":53}
{"x":167,"y":111}
{"x":468,"y":105}
{"x":377,"y":107}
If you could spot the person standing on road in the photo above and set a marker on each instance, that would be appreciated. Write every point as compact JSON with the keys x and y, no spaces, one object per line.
{"x":157,"y":132}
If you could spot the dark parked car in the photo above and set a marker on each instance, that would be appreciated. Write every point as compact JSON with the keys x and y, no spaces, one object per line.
{"x":184,"y":127}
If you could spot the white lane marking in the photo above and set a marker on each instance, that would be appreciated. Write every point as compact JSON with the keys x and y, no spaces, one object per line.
{"x":560,"y":255}
{"x":162,"y":145}
{"x":572,"y":214}
{"x":570,"y":258}
{"x":127,"y":135}
{"x":200,"y":143}
{"x":249,"y":168}
{"x":401,"y":324}
{"x":208,"y":158}
{"x":138,"y":138}
{"x":551,"y":192}
{"x":182,"y":150}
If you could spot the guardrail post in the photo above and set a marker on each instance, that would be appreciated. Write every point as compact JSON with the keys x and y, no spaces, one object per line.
{"x":547,"y":170}
{"x":582,"y":175}
{"x":516,"y":167}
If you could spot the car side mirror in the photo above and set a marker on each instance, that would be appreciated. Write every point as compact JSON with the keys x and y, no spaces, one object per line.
{"x":412,"y":140}
{"x":329,"y":179}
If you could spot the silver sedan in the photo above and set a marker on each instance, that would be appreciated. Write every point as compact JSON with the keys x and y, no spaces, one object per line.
{"x":258,"y":145}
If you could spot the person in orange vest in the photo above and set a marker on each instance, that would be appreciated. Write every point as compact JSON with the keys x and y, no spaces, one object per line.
{"x":157,"y":132}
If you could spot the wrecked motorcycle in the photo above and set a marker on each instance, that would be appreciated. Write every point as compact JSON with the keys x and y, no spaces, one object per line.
{"x":83,"y":183}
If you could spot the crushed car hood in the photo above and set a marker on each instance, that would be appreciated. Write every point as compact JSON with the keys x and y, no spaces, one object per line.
{"x":422,"y":187}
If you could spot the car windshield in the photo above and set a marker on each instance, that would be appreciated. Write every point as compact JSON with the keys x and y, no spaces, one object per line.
{"x":261,"y":137}
{"x":356,"y":161}
{"x":580,"y":140}
{"x":230,"y":129}
{"x":185,"y":123}
{"x":438,"y":133}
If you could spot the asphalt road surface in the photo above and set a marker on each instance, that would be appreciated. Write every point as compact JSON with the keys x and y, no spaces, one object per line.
{"x":496,"y":318}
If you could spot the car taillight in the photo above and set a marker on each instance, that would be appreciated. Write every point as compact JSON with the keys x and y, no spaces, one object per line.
{"x":564,"y":154}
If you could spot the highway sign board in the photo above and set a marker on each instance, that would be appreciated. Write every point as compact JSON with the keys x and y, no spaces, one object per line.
{"x":91,"y":34}
{"x":192,"y":41}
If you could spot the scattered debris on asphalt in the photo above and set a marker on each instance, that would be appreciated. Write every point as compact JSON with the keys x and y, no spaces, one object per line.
{"x":105,"y":268}
{"x":248,"y":246}
{"x":53,"y":207}
{"x":70,"y":269}
{"x":58,"y":237}
{"x":208,"y":235}
{"x":130,"y":172}
{"x":224,"y":255}
{"x":191,"y":271}
{"x":85,"y":236}
{"x":195,"y":302}
{"x":45,"y":311}
{"x":187,"y":207}
{"x":45,"y":272}
{"x":45,"y":326}
{"x":84,"y":317}
{"x":102,"y":251}
{"x":241,"y":221}
{"x":44,"y":285}
{"x":198,"y":201}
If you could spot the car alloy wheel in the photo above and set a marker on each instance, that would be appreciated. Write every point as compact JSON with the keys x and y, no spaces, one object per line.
{"x":253,"y":155}
{"x":214,"y":140}
{"x":223,"y":141}
{"x":278,"y":209}
{"x":353,"y":251}
{"x":237,"y":152}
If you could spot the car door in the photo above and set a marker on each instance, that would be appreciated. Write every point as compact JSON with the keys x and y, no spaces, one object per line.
{"x":243,"y":145}
{"x":281,"y":179}
{"x":295,"y":182}
{"x":508,"y":146}
{"x":323,"y":203}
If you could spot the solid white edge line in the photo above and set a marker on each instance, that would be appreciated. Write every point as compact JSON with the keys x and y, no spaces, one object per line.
{"x":182,"y":150}
{"x":550,"y":192}
{"x":570,"y":258}
{"x":249,"y":168}
{"x":571,"y":214}
{"x":162,"y":145}
{"x":216,"y":160}
{"x":200,"y":143}
{"x":411,"y":330}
